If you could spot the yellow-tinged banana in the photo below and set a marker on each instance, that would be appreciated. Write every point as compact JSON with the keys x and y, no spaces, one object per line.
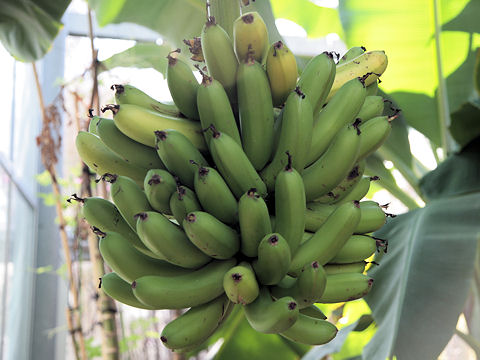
{"x":120,"y":290}
{"x":180,"y":292}
{"x":357,"y":248}
{"x":310,"y":331}
{"x":358,"y":267}
{"x":163,"y":237}
{"x":282,"y":72}
{"x":374,"y":133}
{"x":328,"y":239}
{"x":182,"y":85}
{"x":182,"y":202}
{"x":373,"y":63}
{"x":240,"y":284}
{"x":351,"y":54}
{"x":346,"y":287}
{"x":250,"y":36}
{"x":159,"y":186}
{"x":219,"y":56}
{"x":210,"y":235}
{"x":196,"y":325}
{"x":139,"y":124}
{"x":273,"y":261}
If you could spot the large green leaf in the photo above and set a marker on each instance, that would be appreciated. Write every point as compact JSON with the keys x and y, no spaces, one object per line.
{"x":29,"y":27}
{"x":465,"y":124}
{"x":422,"y":282}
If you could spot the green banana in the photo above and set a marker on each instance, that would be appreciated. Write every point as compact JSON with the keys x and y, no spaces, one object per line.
{"x":100,"y":159}
{"x":271,"y":317}
{"x":128,"y":149}
{"x":233,"y":164}
{"x":240,"y":284}
{"x":346,"y":287}
{"x":282,"y":72}
{"x":196,"y":325}
{"x":351,"y":54}
{"x":371,"y":108}
{"x":314,"y":312}
{"x":182,"y":85}
{"x":210,"y":235}
{"x":372,"y":217}
{"x":340,"y":111}
{"x":214,"y":108}
{"x":128,"y":94}
{"x":328,"y":239}
{"x":182,"y":202}
{"x":219,"y":56}
{"x":358,"y":267}
{"x":139,"y":124}
{"x":180,"y":292}
{"x":308,"y":287}
{"x":334,"y":165}
{"x":120,"y":290}
{"x":347,"y":184}
{"x":254,"y":221}
{"x":215,"y":196}
{"x":128,"y":197}
{"x":289,"y":202}
{"x":250,"y":36}
{"x":295,"y":137}
{"x":310,"y":331}
{"x":373,"y":134}
{"x":372,"y":89}
{"x":357,"y":248}
{"x":359,"y":191}
{"x":372,"y":63}
{"x":92,"y":124}
{"x":177,"y":153}
{"x":131,"y":264}
{"x":273,"y":259}
{"x":159,"y":186}
{"x":163,"y":237}
{"x":256,"y":112}
{"x":317,"y":79}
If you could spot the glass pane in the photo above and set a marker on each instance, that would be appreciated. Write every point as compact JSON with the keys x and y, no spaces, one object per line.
{"x":4,"y":185}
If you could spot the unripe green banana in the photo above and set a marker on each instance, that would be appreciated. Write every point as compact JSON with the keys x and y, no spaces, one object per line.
{"x":371,"y":108}
{"x":92,"y":125}
{"x":140,"y":124}
{"x":254,"y":221}
{"x":182,"y":202}
{"x":159,"y":186}
{"x":128,"y":149}
{"x":346,"y":287}
{"x":340,"y":191}
{"x":282,"y":72}
{"x":177,"y":153}
{"x":314,"y":312}
{"x":163,"y":237}
{"x":196,"y":325}
{"x":131,"y":264}
{"x":329,"y":239}
{"x":357,"y":248}
{"x":256,"y":112}
{"x":180,"y":292}
{"x":128,"y":94}
{"x":233,"y":164}
{"x":100,"y":159}
{"x":219,"y":56}
{"x":372,"y":89}
{"x":295,"y":137}
{"x":310,"y":331}
{"x":340,"y":111}
{"x":120,"y":290}
{"x":214,"y":108}
{"x":210,"y":235}
{"x":373,"y":63}
{"x":289,"y":202}
{"x":358,"y":267}
{"x":351,"y":54}
{"x":373,"y":134}
{"x":317,"y":79}
{"x":215,"y":196}
{"x":128,"y":197}
{"x":240,"y":284}
{"x":250,"y":36}
{"x":273,"y":259}
{"x":308,"y":287}
{"x":334,"y":165}
{"x":373,"y":217}
{"x":182,"y":85}
{"x":316,"y":214}
{"x":359,"y":191}
{"x":271,"y":317}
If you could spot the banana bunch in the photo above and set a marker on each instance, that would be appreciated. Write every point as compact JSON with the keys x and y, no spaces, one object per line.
{"x":243,"y":193}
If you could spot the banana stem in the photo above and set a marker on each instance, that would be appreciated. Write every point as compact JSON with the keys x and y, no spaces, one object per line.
{"x":225,"y":13}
